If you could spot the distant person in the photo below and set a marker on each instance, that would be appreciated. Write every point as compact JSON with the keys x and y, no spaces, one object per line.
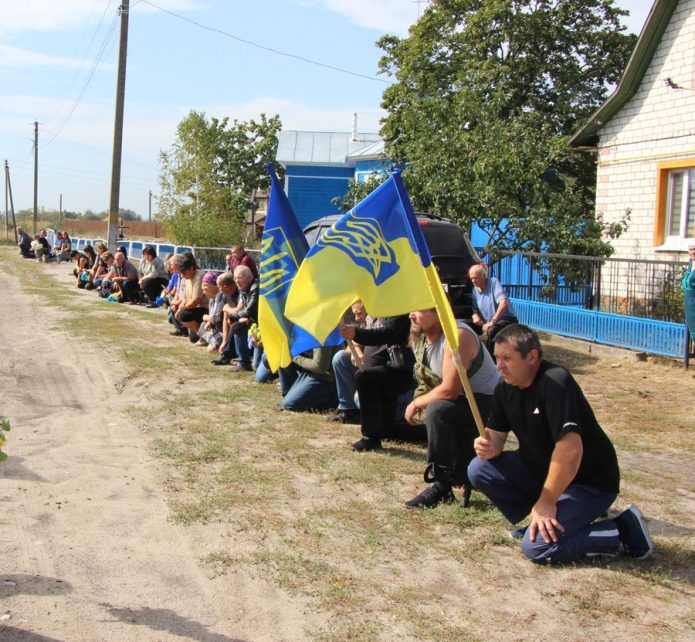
{"x":193,"y":306}
{"x":24,"y":243}
{"x":65,"y":248}
{"x":492,"y":309}
{"x":238,"y":256}
{"x":125,"y":279}
{"x":565,"y":472}
{"x":238,"y":319}
{"x":153,"y":275}
{"x":41,"y":248}
{"x":688,"y":285}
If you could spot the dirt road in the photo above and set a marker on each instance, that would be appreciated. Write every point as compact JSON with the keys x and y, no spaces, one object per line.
{"x":87,"y":551}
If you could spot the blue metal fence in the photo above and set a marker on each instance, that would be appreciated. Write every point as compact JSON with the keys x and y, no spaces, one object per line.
{"x":656,"y":337}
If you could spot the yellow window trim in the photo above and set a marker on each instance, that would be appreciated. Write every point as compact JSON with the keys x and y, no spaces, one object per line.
{"x":662,"y":170}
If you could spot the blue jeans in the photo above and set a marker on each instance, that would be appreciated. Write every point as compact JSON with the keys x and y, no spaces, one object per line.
{"x":513,"y":489}
{"x":345,"y":380}
{"x":303,"y":391}
{"x":240,"y":334}
{"x":263,"y":373}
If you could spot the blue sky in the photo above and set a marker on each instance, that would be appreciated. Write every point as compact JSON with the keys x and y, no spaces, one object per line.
{"x":58,"y":62}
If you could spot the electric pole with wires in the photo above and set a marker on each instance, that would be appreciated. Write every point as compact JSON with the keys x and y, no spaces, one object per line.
{"x":118,"y":129}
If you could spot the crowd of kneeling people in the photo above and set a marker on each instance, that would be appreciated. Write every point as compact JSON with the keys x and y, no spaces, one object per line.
{"x":396,"y":379}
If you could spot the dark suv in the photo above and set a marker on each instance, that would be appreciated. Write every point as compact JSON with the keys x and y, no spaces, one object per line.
{"x":452,"y":254}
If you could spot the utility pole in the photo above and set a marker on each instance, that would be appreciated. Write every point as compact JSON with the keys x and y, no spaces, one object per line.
{"x":60,"y":211}
{"x":149,"y":209}
{"x":118,"y":129}
{"x":36,"y":176}
{"x":9,"y":187}
{"x":7,"y":211}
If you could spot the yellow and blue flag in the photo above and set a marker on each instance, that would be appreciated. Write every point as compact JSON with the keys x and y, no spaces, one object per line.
{"x":283,"y":247}
{"x":377,"y":253}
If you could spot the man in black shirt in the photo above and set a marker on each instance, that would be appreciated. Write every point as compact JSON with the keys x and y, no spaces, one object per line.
{"x":565,"y":472}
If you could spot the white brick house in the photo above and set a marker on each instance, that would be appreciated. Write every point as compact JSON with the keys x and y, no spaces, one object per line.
{"x":645,"y":138}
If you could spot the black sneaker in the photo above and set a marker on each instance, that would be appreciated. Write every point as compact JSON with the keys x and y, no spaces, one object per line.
{"x":237,"y":367}
{"x":221,"y":361}
{"x":634,"y":533}
{"x":365,"y":444}
{"x":178,"y":333}
{"x":431,"y":496}
{"x":352,"y":416}
{"x":518,"y":533}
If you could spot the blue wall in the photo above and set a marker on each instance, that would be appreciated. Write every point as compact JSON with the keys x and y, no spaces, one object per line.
{"x":310,"y":190}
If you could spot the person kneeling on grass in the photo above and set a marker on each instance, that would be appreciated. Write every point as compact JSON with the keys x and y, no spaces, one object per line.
{"x":126,"y":279}
{"x":440,"y":403}
{"x":565,"y":472}
{"x":308,"y":383}
{"x":211,"y":327}
{"x":191,"y":308}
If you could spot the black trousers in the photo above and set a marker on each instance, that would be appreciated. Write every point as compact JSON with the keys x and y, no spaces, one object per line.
{"x":378,"y":389}
{"x":451,"y":431}
{"x":153,"y":287}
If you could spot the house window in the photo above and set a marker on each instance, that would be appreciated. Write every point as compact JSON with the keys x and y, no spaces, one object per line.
{"x":680,"y":208}
{"x":675,"y":212}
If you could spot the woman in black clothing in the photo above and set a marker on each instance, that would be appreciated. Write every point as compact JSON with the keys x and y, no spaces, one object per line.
{"x":387,"y":373}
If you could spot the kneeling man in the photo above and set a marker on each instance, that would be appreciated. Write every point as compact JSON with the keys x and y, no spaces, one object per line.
{"x":565,"y":472}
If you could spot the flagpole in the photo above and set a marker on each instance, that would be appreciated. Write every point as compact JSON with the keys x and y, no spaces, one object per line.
{"x":436,"y":290}
{"x":441,"y":302}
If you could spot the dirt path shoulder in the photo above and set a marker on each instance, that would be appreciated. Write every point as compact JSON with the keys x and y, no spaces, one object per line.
{"x":88,"y":552}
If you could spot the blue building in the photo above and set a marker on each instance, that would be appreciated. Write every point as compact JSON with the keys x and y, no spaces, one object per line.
{"x":318,"y":166}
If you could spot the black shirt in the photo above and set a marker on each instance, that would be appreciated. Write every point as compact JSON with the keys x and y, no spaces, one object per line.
{"x":388,"y":331}
{"x":540,"y":415}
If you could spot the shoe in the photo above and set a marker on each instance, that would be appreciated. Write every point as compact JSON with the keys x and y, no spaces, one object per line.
{"x":634,"y":534}
{"x":221,"y":361}
{"x":365,"y":445}
{"x":431,"y":496}
{"x":466,"y":497}
{"x":151,"y":305}
{"x":351,"y":416}
{"x":178,"y":333}
{"x":518,"y":533}
{"x":237,"y":367}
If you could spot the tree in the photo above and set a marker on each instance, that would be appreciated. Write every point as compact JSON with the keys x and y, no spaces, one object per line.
{"x":488,"y":93}
{"x":208,"y":175}
{"x":358,"y":190}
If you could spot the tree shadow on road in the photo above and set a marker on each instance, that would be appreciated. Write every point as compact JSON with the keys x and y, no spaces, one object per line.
{"x":167,"y":620}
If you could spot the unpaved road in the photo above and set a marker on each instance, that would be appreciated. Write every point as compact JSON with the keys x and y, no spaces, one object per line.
{"x":87,"y":552}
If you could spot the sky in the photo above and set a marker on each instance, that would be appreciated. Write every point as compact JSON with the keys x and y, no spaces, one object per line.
{"x":312,"y":62}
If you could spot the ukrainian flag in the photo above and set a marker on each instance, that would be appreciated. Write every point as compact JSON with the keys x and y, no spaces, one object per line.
{"x":376,"y":253}
{"x":283,"y":247}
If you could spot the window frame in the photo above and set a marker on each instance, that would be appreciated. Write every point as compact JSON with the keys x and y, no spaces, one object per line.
{"x":663,"y":240}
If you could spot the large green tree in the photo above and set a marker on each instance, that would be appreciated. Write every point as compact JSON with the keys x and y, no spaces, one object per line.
{"x":487,"y":94}
{"x":208,"y":175}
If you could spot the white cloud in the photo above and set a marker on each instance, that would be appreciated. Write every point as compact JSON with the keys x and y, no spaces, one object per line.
{"x":295,"y":115}
{"x":387,"y":16}
{"x":18,"y":58}
{"x":60,"y":15}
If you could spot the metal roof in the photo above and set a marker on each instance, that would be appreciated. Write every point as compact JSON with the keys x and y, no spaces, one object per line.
{"x":321,"y":148}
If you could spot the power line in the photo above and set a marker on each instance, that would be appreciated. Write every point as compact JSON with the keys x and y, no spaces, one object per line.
{"x":263,"y":47}
{"x":63,"y":92}
{"x":90,"y":76}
